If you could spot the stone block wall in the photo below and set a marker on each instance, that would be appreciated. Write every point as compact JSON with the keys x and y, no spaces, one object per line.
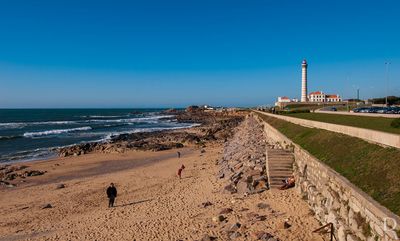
{"x":333,"y":199}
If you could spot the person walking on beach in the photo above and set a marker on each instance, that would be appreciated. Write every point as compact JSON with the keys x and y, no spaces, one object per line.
{"x":179,"y":154}
{"x":180,"y":171}
{"x":111,"y":194}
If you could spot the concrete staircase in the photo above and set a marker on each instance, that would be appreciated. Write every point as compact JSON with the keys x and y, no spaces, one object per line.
{"x":279,"y":166}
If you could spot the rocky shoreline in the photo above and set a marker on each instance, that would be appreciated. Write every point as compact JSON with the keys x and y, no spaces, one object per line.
{"x":214,"y":127}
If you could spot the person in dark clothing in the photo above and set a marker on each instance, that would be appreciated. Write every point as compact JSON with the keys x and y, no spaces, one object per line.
{"x":111,"y":194}
{"x":179,"y":154}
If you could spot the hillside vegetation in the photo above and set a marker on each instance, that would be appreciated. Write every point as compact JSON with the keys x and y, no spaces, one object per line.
{"x":367,"y":122}
{"x":372,"y":168}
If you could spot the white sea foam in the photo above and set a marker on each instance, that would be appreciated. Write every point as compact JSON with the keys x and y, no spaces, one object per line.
{"x":55,"y":132}
{"x":152,"y":119}
{"x":114,"y":134}
{"x":102,"y":116}
{"x":16,"y":125}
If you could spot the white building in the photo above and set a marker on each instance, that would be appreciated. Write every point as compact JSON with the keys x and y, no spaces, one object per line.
{"x":319,"y":96}
{"x":284,"y":99}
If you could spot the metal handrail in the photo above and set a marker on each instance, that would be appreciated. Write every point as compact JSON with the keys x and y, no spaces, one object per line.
{"x":323,"y":230}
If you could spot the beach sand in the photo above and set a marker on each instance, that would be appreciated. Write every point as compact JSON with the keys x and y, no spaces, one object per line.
{"x":152,"y":203}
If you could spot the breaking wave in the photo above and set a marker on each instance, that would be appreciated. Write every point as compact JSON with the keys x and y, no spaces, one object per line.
{"x":55,"y":132}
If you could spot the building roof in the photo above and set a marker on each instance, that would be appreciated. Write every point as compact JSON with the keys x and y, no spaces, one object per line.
{"x":316,"y":93}
{"x":284,"y":98}
{"x":332,"y":96}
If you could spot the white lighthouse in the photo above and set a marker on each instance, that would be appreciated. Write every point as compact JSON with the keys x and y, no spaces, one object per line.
{"x":304,"y":81}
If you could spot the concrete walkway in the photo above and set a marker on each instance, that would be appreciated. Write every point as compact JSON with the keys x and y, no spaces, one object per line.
{"x":279,"y":166}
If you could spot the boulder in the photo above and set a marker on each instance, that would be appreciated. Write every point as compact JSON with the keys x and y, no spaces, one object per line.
{"x":226,"y":211}
{"x":286,"y":225}
{"x":218,"y":219}
{"x":230,"y":188}
{"x":206,"y":204}
{"x":47,"y":206}
{"x":261,"y":235}
{"x":262,"y":205}
{"x":208,"y":238}
{"x":235,"y":227}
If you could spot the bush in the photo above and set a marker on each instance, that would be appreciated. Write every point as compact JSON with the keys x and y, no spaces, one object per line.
{"x":395,"y":123}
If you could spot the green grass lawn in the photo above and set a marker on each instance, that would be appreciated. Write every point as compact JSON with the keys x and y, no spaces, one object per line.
{"x":374,"y":169}
{"x":373,"y":123}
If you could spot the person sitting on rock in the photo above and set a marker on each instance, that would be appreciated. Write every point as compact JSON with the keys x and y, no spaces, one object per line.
{"x":288,"y":183}
{"x":180,"y":171}
{"x":111,"y":194}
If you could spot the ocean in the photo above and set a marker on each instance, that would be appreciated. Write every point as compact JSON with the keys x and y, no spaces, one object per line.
{"x":32,"y":134}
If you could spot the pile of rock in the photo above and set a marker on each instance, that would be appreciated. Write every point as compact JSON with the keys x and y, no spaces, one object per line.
{"x":244,"y":159}
{"x":230,"y":227}
{"x":9,"y":173}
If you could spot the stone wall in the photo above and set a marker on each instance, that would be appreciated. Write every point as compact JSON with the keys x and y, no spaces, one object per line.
{"x":333,"y":199}
{"x":378,"y":137}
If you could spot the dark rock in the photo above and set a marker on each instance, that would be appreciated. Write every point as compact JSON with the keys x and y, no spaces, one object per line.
{"x":206,"y":204}
{"x":219,"y":218}
{"x":60,"y":186}
{"x":47,"y":206}
{"x":254,"y":217}
{"x":235,"y":227}
{"x":33,"y":173}
{"x":286,"y":225}
{"x":264,"y":236}
{"x":230,"y":188}
{"x":226,"y":211}
{"x":208,"y":238}
{"x":262,"y":205}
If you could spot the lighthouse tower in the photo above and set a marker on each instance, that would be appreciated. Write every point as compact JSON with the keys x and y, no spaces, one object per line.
{"x":304,"y":81}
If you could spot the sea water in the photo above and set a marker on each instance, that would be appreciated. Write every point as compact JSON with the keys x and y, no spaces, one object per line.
{"x":32,"y":134}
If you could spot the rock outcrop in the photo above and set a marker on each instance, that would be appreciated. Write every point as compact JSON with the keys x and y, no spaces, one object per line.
{"x":215,"y":127}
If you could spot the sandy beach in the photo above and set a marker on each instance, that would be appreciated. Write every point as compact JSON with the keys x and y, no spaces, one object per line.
{"x":153,"y":204}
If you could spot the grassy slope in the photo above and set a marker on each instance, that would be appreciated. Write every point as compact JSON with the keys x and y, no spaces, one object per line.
{"x":373,"y":123}
{"x":374,"y":169}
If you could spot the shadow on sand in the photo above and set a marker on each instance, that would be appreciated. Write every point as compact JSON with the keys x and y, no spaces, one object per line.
{"x":133,"y":203}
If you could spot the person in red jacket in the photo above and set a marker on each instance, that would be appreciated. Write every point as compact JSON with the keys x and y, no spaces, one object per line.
{"x":180,"y":171}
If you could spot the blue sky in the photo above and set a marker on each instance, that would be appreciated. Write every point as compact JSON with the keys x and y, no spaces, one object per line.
{"x":175,"y":53}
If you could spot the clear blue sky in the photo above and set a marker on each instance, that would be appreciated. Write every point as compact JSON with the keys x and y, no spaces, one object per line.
{"x":175,"y":53}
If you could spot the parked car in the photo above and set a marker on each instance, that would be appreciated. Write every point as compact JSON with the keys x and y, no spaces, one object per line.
{"x":383,"y":110}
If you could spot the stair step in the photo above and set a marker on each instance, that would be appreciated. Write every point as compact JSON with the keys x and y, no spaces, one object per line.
{"x":280,"y":166}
